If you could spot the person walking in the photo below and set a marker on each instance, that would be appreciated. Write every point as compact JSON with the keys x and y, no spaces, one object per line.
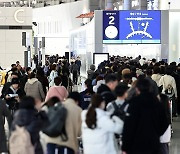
{"x":53,"y":74}
{"x":4,"y":112}
{"x":33,"y":121}
{"x":74,"y":70}
{"x":34,"y":88}
{"x":72,"y":127}
{"x":57,"y":91}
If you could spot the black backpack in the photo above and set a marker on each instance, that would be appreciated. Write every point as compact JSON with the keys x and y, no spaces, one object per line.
{"x":57,"y":118}
{"x":120,"y":110}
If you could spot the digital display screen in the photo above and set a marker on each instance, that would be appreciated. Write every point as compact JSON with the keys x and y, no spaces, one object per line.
{"x":100,"y":57}
{"x":132,"y":27}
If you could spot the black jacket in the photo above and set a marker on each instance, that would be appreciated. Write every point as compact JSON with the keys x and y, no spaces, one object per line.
{"x":5,"y":89}
{"x":144,"y":124}
{"x":34,"y":122}
{"x":106,"y":93}
{"x":12,"y":103}
{"x":4,"y":112}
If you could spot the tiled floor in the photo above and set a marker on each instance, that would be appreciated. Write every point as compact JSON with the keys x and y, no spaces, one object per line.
{"x":175,"y":144}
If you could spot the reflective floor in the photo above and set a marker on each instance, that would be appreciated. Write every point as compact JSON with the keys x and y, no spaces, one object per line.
{"x":175,"y":144}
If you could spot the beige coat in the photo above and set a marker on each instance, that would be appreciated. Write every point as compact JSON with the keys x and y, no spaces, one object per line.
{"x":73,"y":126}
{"x":34,"y":89}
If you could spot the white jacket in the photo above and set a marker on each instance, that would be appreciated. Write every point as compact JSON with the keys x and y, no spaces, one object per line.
{"x":52,"y":76}
{"x":168,"y":80}
{"x":99,"y":83}
{"x":156,"y":78}
{"x":101,"y":139}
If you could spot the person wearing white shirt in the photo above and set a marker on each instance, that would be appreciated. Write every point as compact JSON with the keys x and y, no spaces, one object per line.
{"x":98,"y":128}
{"x":169,"y":85}
{"x":156,"y":75}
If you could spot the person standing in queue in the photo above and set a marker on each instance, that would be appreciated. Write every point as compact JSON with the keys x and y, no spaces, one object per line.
{"x":74,"y":70}
{"x":145,"y":122}
{"x":98,"y":128}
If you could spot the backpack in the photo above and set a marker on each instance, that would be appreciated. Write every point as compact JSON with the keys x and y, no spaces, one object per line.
{"x":120,"y":110}
{"x":20,"y":142}
{"x":169,"y":91}
{"x":57,"y":115}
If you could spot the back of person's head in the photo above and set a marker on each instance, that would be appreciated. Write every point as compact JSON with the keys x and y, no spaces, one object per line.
{"x":121,"y":89}
{"x":13,"y":65}
{"x":96,"y":102}
{"x":15,"y":74}
{"x":168,"y":70}
{"x":15,"y":81}
{"x":93,"y":67}
{"x":173,"y":64}
{"x":154,"y":60}
{"x":156,"y":70}
{"x":75,"y":96}
{"x":112,"y":59}
{"x":32,"y":75}
{"x":126,"y":71}
{"x":14,"y":69}
{"x":28,"y":69}
{"x":28,"y":103}
{"x":53,"y":67}
{"x":88,"y":83}
{"x":149,"y":72}
{"x":52,"y":101}
{"x":40,"y":72}
{"x":99,"y":77}
{"x":110,"y":78}
{"x":143,"y":85}
{"x":57,"y":81}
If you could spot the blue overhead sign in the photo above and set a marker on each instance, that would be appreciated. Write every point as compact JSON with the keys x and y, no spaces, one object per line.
{"x":133,"y":27}
{"x":110,"y":25}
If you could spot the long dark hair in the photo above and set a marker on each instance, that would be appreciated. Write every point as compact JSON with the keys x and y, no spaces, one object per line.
{"x":89,"y":89}
{"x":96,"y":101}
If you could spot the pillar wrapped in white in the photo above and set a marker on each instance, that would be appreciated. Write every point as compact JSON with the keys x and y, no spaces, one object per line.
{"x":127,"y":5}
{"x":109,"y":4}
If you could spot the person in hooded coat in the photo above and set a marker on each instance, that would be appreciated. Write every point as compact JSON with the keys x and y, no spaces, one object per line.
{"x":34,"y":88}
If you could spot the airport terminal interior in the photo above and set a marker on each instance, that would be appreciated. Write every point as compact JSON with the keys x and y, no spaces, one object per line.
{"x":89,"y":76}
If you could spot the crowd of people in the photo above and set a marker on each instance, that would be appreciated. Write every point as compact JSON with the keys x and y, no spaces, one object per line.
{"x":127,"y":106}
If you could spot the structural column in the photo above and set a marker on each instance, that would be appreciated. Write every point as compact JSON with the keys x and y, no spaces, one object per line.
{"x":127,"y":5}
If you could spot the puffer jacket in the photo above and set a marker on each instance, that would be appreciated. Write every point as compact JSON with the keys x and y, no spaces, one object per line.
{"x":34,"y":89}
{"x":101,"y":139}
{"x":156,"y":78}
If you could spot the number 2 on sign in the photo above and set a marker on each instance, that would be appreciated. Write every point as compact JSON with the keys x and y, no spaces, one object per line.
{"x":111,"y":20}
